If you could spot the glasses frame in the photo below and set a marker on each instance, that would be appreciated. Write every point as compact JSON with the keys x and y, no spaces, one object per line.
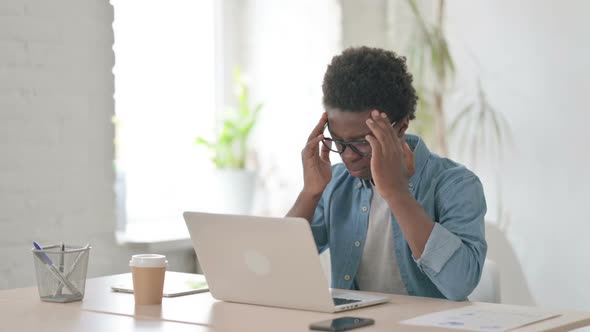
{"x":347,"y":144}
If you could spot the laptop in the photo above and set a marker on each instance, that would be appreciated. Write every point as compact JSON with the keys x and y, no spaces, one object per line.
{"x":266,"y":261}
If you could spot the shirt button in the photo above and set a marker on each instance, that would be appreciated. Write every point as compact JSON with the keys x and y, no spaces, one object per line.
{"x":410,"y":185}
{"x":364,"y":209}
{"x":359,"y":184}
{"x":357,"y":244}
{"x":347,"y":277}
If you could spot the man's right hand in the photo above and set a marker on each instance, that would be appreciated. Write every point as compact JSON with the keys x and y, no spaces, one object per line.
{"x":317,"y":168}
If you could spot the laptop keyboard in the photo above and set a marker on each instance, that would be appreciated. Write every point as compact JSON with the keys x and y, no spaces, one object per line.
{"x":340,"y":301}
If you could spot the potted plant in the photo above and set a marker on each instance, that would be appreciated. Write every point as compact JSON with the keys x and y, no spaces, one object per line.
{"x":230,"y":149}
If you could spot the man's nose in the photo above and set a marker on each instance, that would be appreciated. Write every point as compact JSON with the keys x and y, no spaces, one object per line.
{"x":349,"y":154}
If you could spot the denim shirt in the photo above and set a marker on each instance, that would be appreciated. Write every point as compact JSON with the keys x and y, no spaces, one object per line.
{"x":451,"y":263}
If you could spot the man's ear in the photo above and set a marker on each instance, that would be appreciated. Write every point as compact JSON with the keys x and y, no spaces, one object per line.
{"x":402,"y":126}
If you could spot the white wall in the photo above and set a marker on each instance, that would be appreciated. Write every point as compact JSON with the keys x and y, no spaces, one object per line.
{"x":533,"y":58}
{"x":56,"y":135}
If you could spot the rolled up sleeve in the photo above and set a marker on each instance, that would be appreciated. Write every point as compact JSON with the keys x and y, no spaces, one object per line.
{"x":455,"y":252}
{"x":440,"y":247}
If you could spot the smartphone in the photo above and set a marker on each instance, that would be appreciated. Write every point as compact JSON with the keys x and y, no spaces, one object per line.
{"x":341,"y":324}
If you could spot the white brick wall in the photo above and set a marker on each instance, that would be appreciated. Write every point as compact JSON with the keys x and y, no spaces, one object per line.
{"x":56,"y":135}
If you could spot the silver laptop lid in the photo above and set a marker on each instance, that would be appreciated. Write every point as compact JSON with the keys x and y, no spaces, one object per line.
{"x":260,"y":260}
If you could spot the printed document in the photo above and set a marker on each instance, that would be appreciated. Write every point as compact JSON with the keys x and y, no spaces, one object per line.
{"x":482,"y":317}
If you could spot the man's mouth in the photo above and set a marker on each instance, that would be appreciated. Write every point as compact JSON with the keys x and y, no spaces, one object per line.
{"x":356,"y":172}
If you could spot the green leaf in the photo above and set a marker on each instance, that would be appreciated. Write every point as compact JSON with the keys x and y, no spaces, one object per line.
{"x":230,"y":148}
{"x":202,"y":141}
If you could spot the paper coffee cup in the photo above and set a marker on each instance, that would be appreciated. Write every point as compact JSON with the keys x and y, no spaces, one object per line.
{"x":148,"y":271}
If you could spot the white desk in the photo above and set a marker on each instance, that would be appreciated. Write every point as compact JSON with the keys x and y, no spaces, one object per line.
{"x":21,"y":310}
{"x":103,"y":310}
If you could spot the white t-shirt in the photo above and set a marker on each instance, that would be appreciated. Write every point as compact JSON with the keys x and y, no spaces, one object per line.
{"x":378,"y":270}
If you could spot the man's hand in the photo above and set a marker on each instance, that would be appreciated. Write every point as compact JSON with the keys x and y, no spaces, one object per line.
{"x":392,"y":161}
{"x":317,"y":168}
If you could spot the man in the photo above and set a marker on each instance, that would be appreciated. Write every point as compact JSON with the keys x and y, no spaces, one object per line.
{"x":396,"y":217}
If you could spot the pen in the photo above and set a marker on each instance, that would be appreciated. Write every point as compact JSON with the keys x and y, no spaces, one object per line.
{"x":73,"y":267}
{"x":61,"y":258}
{"x":43,"y":256}
{"x":61,"y":267}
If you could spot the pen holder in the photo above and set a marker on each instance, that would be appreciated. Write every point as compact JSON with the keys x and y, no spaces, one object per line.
{"x":61,"y":272}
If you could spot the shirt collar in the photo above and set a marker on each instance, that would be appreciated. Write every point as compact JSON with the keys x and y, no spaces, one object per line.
{"x":421,"y":155}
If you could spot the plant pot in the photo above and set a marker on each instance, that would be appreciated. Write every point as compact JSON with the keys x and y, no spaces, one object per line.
{"x":235,"y":190}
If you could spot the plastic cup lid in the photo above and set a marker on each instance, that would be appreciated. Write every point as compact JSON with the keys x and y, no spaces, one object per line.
{"x":148,"y":260}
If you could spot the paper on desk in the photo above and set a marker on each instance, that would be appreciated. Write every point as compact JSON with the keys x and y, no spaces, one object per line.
{"x":482,"y":318}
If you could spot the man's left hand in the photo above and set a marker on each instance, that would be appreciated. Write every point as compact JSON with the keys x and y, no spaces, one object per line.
{"x":392,"y":160}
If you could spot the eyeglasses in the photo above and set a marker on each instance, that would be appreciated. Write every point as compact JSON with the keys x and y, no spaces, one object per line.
{"x":362,"y":147}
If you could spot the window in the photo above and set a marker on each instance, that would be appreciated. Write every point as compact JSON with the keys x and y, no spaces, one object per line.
{"x":164,"y":97}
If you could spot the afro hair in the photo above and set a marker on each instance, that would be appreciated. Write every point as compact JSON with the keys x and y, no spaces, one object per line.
{"x":363,"y":78}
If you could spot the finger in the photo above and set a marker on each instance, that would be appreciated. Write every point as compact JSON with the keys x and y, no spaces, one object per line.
{"x":379,"y":133}
{"x":376,"y":116}
{"x":319,"y":128}
{"x":325,"y":152}
{"x":386,"y":124}
{"x":376,"y":149}
{"x":388,"y":127}
{"x":311,"y":148}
